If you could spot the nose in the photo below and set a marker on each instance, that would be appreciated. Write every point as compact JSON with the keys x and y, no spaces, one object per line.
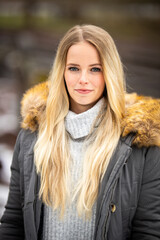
{"x":83,"y":79}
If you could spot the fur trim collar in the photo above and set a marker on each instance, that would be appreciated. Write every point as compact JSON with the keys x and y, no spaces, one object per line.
{"x":142,"y":115}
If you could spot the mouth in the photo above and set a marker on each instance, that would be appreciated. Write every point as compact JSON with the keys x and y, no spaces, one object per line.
{"x":83,"y":91}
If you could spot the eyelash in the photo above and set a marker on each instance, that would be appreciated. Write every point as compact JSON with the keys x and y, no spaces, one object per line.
{"x":94,"y":69}
{"x":73,"y":69}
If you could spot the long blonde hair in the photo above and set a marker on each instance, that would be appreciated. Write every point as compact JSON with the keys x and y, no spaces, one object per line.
{"x":52,"y":157}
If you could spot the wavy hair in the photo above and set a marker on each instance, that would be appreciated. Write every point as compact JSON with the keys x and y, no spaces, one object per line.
{"x":52,"y":157}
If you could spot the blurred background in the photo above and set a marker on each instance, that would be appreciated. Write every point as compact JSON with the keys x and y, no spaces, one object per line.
{"x":29,"y":34}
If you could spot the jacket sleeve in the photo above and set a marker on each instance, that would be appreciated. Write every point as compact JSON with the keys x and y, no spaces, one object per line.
{"x":146,"y":222}
{"x":12,"y":220}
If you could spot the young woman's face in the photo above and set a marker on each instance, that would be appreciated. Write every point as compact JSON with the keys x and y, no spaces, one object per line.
{"x":83,"y":76}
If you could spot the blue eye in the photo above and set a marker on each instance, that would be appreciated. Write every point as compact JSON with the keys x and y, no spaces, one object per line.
{"x":95,"y":69}
{"x":73,"y":68}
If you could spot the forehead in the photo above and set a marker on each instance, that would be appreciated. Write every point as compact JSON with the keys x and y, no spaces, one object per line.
{"x":83,"y":51}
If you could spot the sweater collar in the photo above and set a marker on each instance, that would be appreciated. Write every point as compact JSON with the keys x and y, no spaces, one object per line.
{"x":79,"y":125}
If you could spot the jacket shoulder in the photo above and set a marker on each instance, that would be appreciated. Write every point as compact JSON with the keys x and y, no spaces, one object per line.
{"x":25,"y":142}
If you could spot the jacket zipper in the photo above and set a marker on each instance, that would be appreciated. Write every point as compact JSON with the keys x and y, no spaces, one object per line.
{"x":109,"y":212}
{"x":127,"y":152}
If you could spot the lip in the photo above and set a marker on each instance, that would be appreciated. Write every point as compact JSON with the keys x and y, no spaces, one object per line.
{"x":83,"y":91}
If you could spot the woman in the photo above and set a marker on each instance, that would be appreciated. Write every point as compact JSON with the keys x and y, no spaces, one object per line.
{"x":86,"y":162}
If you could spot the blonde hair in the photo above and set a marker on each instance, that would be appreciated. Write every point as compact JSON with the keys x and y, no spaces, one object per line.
{"x":52,"y":156}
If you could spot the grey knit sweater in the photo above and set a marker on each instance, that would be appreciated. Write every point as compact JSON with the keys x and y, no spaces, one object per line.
{"x":73,"y":227}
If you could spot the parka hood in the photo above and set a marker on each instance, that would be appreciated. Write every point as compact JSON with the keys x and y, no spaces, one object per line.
{"x":142,"y":115}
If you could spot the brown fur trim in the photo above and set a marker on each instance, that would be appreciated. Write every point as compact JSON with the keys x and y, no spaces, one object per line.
{"x":33,"y":105}
{"x":142,"y":117}
{"x":142,"y":114}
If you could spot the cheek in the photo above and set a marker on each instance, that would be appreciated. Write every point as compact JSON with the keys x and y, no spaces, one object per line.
{"x":100,"y":83}
{"x":70,"y":81}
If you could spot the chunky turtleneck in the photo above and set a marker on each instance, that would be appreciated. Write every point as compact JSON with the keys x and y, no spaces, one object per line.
{"x":79,"y":125}
{"x":72,"y":226}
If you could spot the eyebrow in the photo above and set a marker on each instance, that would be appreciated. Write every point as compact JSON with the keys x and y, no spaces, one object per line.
{"x":91,"y":65}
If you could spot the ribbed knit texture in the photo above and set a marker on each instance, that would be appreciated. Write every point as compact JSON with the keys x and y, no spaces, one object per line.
{"x":73,"y":227}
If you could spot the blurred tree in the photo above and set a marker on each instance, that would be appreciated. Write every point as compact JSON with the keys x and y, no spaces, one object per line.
{"x":28,"y":8}
{"x":69,"y":8}
{"x":72,"y":8}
